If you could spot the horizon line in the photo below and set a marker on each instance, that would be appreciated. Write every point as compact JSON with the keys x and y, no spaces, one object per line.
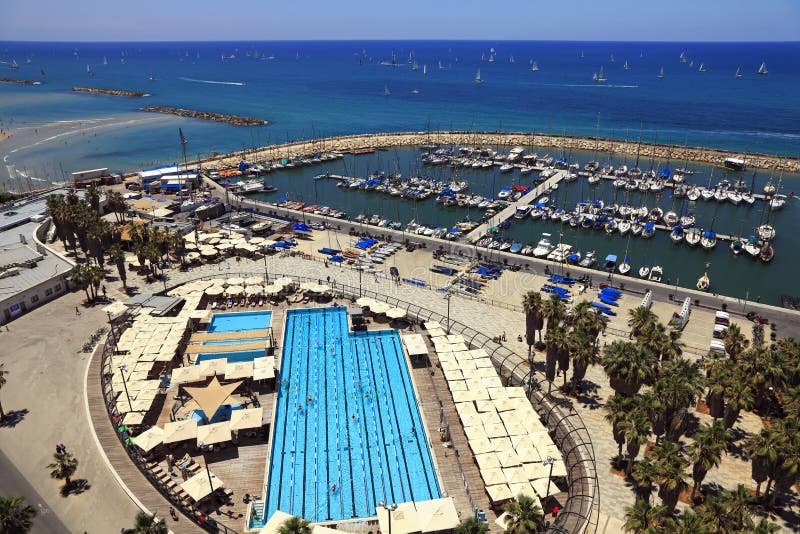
{"x":437,"y":40}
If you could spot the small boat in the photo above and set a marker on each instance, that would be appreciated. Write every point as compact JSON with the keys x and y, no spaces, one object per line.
{"x":739,"y":72}
{"x":703,"y":283}
{"x":769,"y":188}
{"x":777,"y":202}
{"x":735,"y":164}
{"x":624,"y":267}
{"x":671,"y":218}
{"x":762,"y":70}
{"x":534,"y":66}
{"x":737,"y":245}
{"x":767,"y":253}
{"x":649,"y":230}
{"x":661,"y":74}
{"x":751,"y":247}
{"x":386,"y":91}
{"x":766,"y":232}
{"x":588,"y":260}
{"x":600,"y":78}
{"x":656,"y":273}
{"x":610,"y":263}
{"x":677,"y":234}
{"x":693,"y":236}
{"x":644,"y":271}
{"x":626,"y":66}
{"x":544,"y":247}
{"x":709,"y":240}
{"x":478,"y":79}
{"x":702,"y":67}
{"x":624,"y":227}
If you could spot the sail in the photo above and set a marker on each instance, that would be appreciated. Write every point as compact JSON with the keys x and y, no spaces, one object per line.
{"x":763,"y":68}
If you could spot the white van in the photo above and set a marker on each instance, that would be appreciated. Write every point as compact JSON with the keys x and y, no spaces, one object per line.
{"x":717,"y":347}
{"x":722,"y":318}
{"x":719,"y":331}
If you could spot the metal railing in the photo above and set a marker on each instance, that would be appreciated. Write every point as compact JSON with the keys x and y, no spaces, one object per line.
{"x":580,"y":511}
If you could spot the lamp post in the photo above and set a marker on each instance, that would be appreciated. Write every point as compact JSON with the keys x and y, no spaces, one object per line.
{"x":266,"y":277}
{"x":549,"y":461}
{"x":122,"y":369}
{"x":389,"y":509}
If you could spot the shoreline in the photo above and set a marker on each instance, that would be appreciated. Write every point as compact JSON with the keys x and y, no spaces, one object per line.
{"x":348,"y":143}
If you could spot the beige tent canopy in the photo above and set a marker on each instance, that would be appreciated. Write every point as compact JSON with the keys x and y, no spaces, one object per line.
{"x":133,"y":418}
{"x":149,"y":439}
{"x":200,"y":486}
{"x":404,"y":519}
{"x":247,"y":418}
{"x":395,"y":313}
{"x":275,"y":522}
{"x":437,"y":515}
{"x":239,"y":370}
{"x":487,"y":461}
{"x":493,"y":476}
{"x":183,"y":375}
{"x":180,"y":430}
{"x":212,"y":396}
{"x":499,"y":493}
{"x":213,"y":433}
{"x":415,"y":345}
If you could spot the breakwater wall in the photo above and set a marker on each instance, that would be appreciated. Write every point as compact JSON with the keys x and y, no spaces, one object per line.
{"x":111,"y":92}
{"x":19,"y":81}
{"x":553,"y":143}
{"x":207,"y":116}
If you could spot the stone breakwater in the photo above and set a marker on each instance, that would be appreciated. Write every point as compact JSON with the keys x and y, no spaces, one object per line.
{"x":207,"y":116}
{"x":111,"y":92}
{"x":676,"y":154}
{"x":21,"y":82}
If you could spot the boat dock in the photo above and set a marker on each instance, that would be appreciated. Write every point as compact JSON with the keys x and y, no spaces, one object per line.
{"x":509,"y":211}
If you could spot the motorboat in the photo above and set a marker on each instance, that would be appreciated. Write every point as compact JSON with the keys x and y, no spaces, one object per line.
{"x":671,"y":218}
{"x":636,"y":228}
{"x":708,"y":240}
{"x":766,"y":232}
{"x":693,"y":194}
{"x":644,"y":271}
{"x":692,"y":236}
{"x":588,"y":260}
{"x":688,"y":220}
{"x":543,"y":247}
{"x":777,"y":202}
{"x":624,"y":267}
{"x":574,"y":258}
{"x":737,"y":245}
{"x":703,"y":283}
{"x":560,"y":253}
{"x":522,"y":211}
{"x":624,"y":227}
{"x":706,"y":194}
{"x":767,"y":253}
{"x":506,"y":168}
{"x":611,"y":226}
{"x":735,"y":197}
{"x":751,"y":247}
{"x":677,"y":234}
{"x":649,"y":230}
{"x":656,"y":273}
{"x":610,"y":263}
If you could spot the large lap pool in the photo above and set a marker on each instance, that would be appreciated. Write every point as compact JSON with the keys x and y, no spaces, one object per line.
{"x":361,"y":439}
{"x":234,"y":322}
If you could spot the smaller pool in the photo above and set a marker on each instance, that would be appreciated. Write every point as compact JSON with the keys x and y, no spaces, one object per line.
{"x":241,"y":356}
{"x":235,"y":341}
{"x":234,"y":322}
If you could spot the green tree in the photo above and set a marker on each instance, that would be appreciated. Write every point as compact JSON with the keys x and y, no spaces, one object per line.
{"x":689,"y":523}
{"x":639,"y":319}
{"x":677,"y":387}
{"x":738,"y":396}
{"x":16,"y":517}
{"x":670,"y":466}
{"x":584,"y":351}
{"x":472,"y":526}
{"x":524,"y":516}
{"x":628,"y":367}
{"x":735,"y":342}
{"x":714,"y":515}
{"x":534,"y":316}
{"x":643,"y":518}
{"x":63,"y":467}
{"x":118,"y":258}
{"x":635,"y":427}
{"x":762,"y":451}
{"x":557,"y":346}
{"x":147,"y":524}
{"x":710,"y":441}
{"x":739,"y":504}
{"x":554,"y":311}
{"x":645,"y":475}
{"x":617,"y":409}
{"x":295,"y":525}
{"x":765,"y":527}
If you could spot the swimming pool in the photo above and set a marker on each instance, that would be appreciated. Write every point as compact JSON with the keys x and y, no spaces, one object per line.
{"x":361,"y":439}
{"x":241,"y":356}
{"x":234,"y":341}
{"x":234,"y":322}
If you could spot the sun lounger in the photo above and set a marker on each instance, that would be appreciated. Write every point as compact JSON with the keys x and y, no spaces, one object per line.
{"x":214,"y":305}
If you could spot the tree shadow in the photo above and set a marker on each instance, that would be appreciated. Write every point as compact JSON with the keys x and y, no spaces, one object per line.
{"x":736,"y":447}
{"x":588,"y":395}
{"x":76,"y":487}
{"x":13,"y":418}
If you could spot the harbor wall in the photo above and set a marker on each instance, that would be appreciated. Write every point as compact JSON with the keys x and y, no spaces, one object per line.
{"x":553,"y":144}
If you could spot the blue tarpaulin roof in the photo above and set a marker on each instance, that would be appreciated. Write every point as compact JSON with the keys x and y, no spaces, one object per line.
{"x":709,"y":234}
{"x":336,"y":259}
{"x":301,"y":227}
{"x":649,"y":225}
{"x":366,"y":243}
{"x":611,"y":257}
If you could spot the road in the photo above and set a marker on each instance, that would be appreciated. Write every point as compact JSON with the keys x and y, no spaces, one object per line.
{"x":12,"y":483}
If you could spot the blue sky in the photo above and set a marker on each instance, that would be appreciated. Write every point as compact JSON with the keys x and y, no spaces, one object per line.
{"x":248,"y":20}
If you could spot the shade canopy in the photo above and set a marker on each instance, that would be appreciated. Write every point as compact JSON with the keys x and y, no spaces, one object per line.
{"x":213,"y":433}
{"x":499,"y":493}
{"x":180,"y":430}
{"x":379,"y":307}
{"x":234,"y":281}
{"x":396,"y":313}
{"x":149,"y":439}
{"x":212,"y":396}
{"x":200,"y":486}
{"x":247,"y":418}
{"x":234,"y":290}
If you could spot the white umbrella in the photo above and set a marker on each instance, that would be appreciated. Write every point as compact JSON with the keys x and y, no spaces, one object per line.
{"x":395,"y":313}
{"x":149,"y":439}
{"x":285,"y":281}
{"x":235,"y":281}
{"x":365,"y":302}
{"x":308,"y":286}
{"x":254,"y":290}
{"x":379,"y":308}
{"x":215,"y":290}
{"x":208,"y":252}
{"x":253,"y":280}
{"x":234,"y":290}
{"x":322,"y":288}
{"x":193,"y":256}
{"x":272,"y":289}
{"x":256,"y":240}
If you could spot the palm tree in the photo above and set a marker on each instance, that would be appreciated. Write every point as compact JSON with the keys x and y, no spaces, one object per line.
{"x":677,"y":388}
{"x":63,"y":467}
{"x":719,"y":375}
{"x":653,"y":337}
{"x":670,"y":465}
{"x":584,"y":353}
{"x":735,"y":342}
{"x":765,"y":527}
{"x":640,"y":319}
{"x":524,"y":515}
{"x":710,"y":441}
{"x":739,"y":504}
{"x":147,"y":524}
{"x":3,"y":381}
{"x":635,"y":427}
{"x":118,"y":258}
{"x":642,"y":518}
{"x":178,"y":247}
{"x":77,"y":276}
{"x":788,"y":470}
{"x":15,"y":515}
{"x":628,"y":367}
{"x":645,"y":475}
{"x":534,"y":317}
{"x":671,"y":345}
{"x":690,"y":523}
{"x":714,"y":515}
{"x":618,"y":407}
{"x":738,"y":396}
{"x":586,"y":318}
{"x":472,"y":526}
{"x":557,"y":346}
{"x":295,"y":525}
{"x":554,"y":311}
{"x":762,"y":451}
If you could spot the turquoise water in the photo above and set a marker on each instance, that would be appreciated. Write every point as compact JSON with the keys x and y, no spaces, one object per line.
{"x":232,"y":357}
{"x":234,"y":322}
{"x":362,"y":432}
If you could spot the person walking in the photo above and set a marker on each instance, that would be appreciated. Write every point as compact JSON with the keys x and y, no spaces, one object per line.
{"x":77,"y":311}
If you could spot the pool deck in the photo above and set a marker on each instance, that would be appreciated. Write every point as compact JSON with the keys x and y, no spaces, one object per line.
{"x":199,"y":337}
{"x":197,"y":348}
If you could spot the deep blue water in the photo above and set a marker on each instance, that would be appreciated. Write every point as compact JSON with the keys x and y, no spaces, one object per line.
{"x":320,"y":88}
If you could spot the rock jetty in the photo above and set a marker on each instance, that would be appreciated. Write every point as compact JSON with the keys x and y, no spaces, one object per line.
{"x":21,"y":82}
{"x":207,"y":116}
{"x":553,"y":143}
{"x":111,"y":92}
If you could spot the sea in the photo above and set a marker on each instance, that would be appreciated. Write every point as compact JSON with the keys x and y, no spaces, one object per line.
{"x":314,"y":89}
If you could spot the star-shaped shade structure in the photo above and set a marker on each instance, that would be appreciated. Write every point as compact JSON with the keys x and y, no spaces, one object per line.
{"x":210,"y":397}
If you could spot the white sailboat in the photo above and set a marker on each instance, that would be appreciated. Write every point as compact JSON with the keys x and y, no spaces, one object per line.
{"x":702,"y":68}
{"x":441,"y":67}
{"x":414,"y":66}
{"x":105,"y":61}
{"x":14,"y":64}
{"x":89,"y":70}
{"x":424,"y":70}
{"x":762,"y":70}
{"x":626,"y":66}
{"x":738,"y":72}
{"x":612,"y":58}
{"x":534,"y":66}
{"x":683,"y":57}
{"x":582,"y":56}
{"x":661,"y":73}
{"x":386,"y":91}
{"x":478,"y":79}
{"x":600,"y":78}
{"x":511,"y":59}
